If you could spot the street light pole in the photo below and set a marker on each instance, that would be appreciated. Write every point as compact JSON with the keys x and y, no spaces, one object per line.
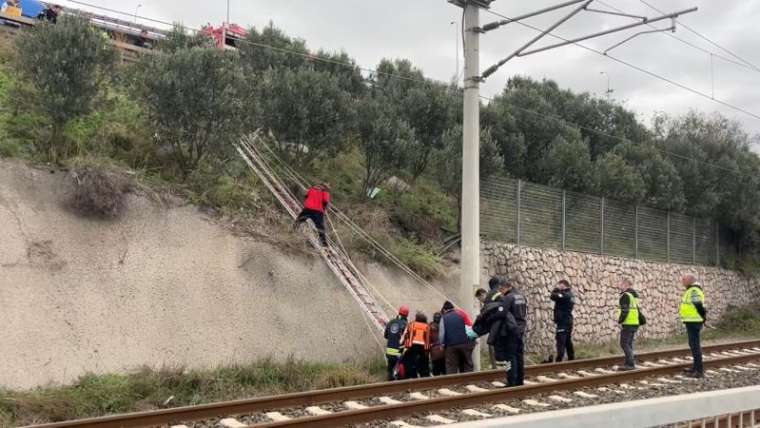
{"x":136,"y":9}
{"x":471,"y":162}
{"x":228,"y":12}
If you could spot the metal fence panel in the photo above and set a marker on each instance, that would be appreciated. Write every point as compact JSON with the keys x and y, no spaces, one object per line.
{"x":540,"y":216}
{"x":583,"y":221}
{"x":681,"y":238}
{"x":619,"y":229}
{"x":498,"y":209}
{"x":706,"y":245}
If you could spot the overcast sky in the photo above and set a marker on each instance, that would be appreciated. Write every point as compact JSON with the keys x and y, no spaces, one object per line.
{"x":421,"y":30}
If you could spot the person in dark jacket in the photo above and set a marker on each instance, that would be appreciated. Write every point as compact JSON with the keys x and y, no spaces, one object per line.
{"x":457,"y":345}
{"x":394,"y":336}
{"x":564,"y":301}
{"x":437,"y":355}
{"x":515,"y":308}
{"x":628,"y":318}
{"x":314,"y":206}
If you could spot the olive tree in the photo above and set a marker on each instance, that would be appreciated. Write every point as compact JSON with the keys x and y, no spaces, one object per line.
{"x":193,"y":100}
{"x":63,"y":70}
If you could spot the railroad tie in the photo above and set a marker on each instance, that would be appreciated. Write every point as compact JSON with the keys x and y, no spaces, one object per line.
{"x":476,"y":414}
{"x":727,"y":370}
{"x":604,"y":371}
{"x":651,"y":384}
{"x":756,"y":349}
{"x":388,"y":400}
{"x":535,"y":403}
{"x":401,"y":424}
{"x":586,"y":373}
{"x":418,"y":396}
{"x":681,"y":377}
{"x":277,"y":417}
{"x":567,"y":376}
{"x":744,"y":369}
{"x":530,"y":382}
{"x":679,"y":360}
{"x":560,"y":399}
{"x":665,"y":362}
{"x":666,"y":380}
{"x":498,"y":384}
{"x":317,"y":411}
{"x":178,"y":426}
{"x":626,"y":386}
{"x":232,"y":423}
{"x":753,"y":365}
{"x":546,"y":379}
{"x":585,"y":394}
{"x":615,"y":391}
{"x":354,"y":405}
{"x":650,"y":364}
{"x":711,"y":372}
{"x":475,"y":388}
{"x":438,"y":419}
{"x":448,"y":393}
{"x":505,"y":408}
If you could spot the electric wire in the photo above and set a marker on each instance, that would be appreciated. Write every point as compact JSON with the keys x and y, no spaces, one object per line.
{"x":633,"y":66}
{"x":707,"y":39}
{"x":690,"y":44}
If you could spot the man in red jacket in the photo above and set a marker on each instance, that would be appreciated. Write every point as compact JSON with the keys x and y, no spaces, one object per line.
{"x":314,"y":206}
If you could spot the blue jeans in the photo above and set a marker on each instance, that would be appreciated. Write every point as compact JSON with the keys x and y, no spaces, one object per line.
{"x":693,"y":329}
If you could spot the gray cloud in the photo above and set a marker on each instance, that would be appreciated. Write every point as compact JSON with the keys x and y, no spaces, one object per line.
{"x":420,"y":30}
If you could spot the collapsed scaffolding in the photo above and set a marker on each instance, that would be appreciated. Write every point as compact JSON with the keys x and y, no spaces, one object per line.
{"x":269,"y":168}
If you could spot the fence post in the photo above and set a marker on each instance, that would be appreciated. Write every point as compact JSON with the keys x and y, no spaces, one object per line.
{"x":717,"y":244}
{"x":668,"y":234}
{"x":519,"y":197}
{"x":564,"y":212}
{"x":693,"y":240}
{"x":636,"y":232}
{"x":601,"y":243}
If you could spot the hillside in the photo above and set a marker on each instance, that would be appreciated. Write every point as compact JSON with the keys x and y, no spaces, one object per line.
{"x":163,"y":285}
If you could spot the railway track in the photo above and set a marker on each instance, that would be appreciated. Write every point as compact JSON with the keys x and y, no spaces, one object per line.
{"x":382,"y":401}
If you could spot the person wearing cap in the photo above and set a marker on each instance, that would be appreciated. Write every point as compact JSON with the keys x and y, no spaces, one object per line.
{"x":564,"y":302}
{"x":394,"y":335}
{"x":314,"y":206}
{"x":693,"y":315}
{"x":457,"y":344}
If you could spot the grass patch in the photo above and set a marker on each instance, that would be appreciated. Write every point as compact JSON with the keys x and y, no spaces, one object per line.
{"x":98,"y":395}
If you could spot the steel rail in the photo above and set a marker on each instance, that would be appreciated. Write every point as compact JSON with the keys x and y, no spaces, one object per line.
{"x":252,"y":405}
{"x":445,"y":403}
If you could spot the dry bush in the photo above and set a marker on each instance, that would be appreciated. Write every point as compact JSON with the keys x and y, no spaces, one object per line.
{"x":98,"y":192}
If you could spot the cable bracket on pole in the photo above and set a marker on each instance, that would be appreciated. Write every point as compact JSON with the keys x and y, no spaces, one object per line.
{"x":659,"y":30}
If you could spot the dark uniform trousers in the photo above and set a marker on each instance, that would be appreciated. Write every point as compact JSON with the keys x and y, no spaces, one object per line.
{"x":515,"y":356}
{"x":564,"y":341}
{"x":693,"y":329}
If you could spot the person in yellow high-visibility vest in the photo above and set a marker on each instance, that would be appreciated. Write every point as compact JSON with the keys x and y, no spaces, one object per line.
{"x":693,"y":314}
{"x":628,"y":318}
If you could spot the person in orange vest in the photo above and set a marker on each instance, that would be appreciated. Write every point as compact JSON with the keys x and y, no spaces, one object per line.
{"x":417,"y":347}
{"x":314,"y":206}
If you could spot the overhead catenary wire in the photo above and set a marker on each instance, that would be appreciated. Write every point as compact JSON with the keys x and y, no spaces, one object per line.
{"x":708,"y":40}
{"x":633,"y":66}
{"x":690,"y":44}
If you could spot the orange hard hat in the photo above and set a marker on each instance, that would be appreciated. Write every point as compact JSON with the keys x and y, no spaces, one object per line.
{"x":403,"y":310}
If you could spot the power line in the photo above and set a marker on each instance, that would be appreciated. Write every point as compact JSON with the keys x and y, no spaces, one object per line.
{"x":690,"y":44}
{"x":707,"y":39}
{"x":562,"y":121}
{"x":635,"y":67}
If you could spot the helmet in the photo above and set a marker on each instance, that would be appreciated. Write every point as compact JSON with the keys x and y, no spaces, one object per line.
{"x":403,"y":310}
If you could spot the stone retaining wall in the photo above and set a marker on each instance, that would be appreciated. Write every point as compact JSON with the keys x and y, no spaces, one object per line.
{"x":594,"y":279}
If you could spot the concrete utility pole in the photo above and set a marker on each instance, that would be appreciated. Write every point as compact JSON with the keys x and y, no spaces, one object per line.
{"x":471,"y":158}
{"x":471,"y":117}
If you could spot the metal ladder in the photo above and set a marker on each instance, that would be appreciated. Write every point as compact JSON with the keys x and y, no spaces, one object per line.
{"x":341,"y":265}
